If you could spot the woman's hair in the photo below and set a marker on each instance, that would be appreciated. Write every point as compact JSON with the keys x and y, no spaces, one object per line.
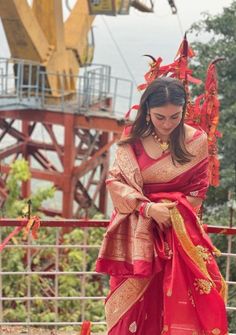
{"x":161,"y":92}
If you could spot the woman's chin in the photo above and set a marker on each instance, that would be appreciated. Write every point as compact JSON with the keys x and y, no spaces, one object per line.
{"x":165,"y":132}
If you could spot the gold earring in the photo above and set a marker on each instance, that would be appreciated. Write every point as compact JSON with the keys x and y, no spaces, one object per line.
{"x":147,"y":119}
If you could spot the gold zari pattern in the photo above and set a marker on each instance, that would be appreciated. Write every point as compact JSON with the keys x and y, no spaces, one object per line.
{"x":203,"y":286}
{"x":168,"y":251}
{"x":165,"y":170}
{"x":133,"y":327}
{"x":133,"y":240}
{"x":122,"y":299}
{"x":187,"y":244}
{"x":204,"y":253}
{"x":198,"y":254}
{"x":191,"y":298}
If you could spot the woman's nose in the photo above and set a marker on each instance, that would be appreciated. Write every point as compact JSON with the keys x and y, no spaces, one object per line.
{"x":167,"y":124}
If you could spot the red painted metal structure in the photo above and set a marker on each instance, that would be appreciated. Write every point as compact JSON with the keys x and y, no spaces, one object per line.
{"x":65,"y":140}
{"x":77,"y":141}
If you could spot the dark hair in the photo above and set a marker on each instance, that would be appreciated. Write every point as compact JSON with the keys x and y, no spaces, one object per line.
{"x":160,"y":92}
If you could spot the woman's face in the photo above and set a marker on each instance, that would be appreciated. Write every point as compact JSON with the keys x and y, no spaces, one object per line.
{"x":166,"y":118}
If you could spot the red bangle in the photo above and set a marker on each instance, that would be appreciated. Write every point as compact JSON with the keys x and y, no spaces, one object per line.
{"x":142,"y":209}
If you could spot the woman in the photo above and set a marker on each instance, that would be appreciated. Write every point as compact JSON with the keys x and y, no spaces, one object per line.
{"x":164,"y":278}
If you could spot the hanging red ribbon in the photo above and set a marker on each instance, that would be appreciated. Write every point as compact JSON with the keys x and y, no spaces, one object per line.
{"x":206,"y":116}
{"x":32,"y":224}
{"x":134,"y":107}
{"x":86,"y":328}
{"x":204,"y":112}
{"x":10,"y":236}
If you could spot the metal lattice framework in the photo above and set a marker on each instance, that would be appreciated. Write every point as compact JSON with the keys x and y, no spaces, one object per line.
{"x":66,"y":142}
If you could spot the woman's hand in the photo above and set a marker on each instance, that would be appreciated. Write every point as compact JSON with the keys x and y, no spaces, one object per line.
{"x":195,"y":202}
{"x":161,"y":214}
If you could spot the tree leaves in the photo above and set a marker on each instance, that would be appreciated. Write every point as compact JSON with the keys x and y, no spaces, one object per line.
{"x":222,"y":43}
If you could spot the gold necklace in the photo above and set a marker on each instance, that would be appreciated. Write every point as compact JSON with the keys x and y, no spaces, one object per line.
{"x":163,"y":145}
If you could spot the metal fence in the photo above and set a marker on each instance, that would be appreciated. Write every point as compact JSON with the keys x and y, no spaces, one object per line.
{"x":62,"y":260}
{"x":25,"y":84}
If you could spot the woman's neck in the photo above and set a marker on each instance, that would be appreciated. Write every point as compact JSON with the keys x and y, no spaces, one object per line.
{"x":162,"y":137}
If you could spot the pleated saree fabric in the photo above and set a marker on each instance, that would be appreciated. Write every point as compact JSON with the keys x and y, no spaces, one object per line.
{"x":161,"y":282}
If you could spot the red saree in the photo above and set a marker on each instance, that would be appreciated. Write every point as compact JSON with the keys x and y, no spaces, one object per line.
{"x":161,"y":282}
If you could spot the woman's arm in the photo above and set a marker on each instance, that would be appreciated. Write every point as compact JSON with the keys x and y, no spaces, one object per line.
{"x":200,"y":180}
{"x":126,"y":198}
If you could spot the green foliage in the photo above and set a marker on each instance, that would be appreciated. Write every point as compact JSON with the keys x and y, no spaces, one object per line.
{"x":69,"y":285}
{"x":15,"y":206}
{"x":39,"y":196}
{"x":221,"y":216}
{"x":45,"y":259}
{"x":222,"y":43}
{"x":19,"y":172}
{"x":70,"y":259}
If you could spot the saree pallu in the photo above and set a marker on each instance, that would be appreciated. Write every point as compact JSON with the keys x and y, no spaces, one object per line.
{"x":161,"y":282}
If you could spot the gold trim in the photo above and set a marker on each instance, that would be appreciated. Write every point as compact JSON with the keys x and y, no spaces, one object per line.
{"x":188,"y":246}
{"x":123,"y":298}
{"x":224,"y":290}
{"x":193,"y":251}
{"x":164,"y":170}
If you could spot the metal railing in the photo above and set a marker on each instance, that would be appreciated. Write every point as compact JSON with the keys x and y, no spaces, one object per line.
{"x":25,"y":84}
{"x":62,"y":260}
{"x":44,"y":268}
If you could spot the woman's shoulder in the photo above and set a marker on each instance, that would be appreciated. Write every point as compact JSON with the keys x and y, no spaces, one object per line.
{"x":196,"y":140}
{"x":192,"y":133}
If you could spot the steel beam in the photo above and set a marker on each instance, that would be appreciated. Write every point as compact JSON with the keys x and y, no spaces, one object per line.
{"x":77,"y":157}
{"x":11,"y":149}
{"x":105,"y":122}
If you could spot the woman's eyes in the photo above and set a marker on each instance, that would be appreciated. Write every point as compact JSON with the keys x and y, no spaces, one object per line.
{"x":162,"y":118}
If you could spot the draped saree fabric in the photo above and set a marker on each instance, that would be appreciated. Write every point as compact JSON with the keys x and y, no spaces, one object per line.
{"x":161,"y":282}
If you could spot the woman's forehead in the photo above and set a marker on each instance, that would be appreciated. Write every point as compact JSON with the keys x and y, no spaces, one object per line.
{"x":166,"y":110}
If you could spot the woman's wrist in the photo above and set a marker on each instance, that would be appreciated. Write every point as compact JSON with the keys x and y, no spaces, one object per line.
{"x":144,"y":209}
{"x":147,"y":209}
{"x":141,"y":208}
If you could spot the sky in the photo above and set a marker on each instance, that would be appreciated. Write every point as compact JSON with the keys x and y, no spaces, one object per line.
{"x":158,"y":34}
{"x":121,"y":41}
